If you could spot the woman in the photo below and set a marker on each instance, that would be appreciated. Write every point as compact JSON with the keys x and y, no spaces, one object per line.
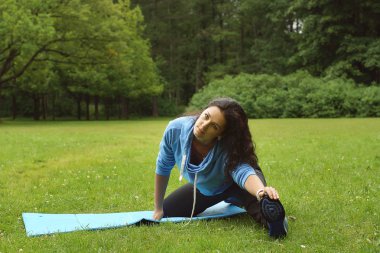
{"x":215,"y":153}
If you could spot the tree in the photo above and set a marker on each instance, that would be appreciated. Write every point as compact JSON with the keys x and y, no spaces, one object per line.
{"x":339,"y":38}
{"x":195,"y":42}
{"x":82,"y":40}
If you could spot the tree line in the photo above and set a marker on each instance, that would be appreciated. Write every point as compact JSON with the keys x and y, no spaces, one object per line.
{"x":196,"y":42}
{"x":103,"y":58}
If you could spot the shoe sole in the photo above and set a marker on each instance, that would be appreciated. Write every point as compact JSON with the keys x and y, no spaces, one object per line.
{"x":274,"y":212}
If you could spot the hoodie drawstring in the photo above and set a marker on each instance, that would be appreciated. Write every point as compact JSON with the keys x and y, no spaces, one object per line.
{"x":194,"y":195}
{"x":183,"y":162}
{"x":182,"y":167}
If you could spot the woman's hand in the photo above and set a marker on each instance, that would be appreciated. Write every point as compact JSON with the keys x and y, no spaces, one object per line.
{"x":270,"y":192}
{"x":254,"y":186}
{"x":158,"y":214}
{"x":161,"y":182}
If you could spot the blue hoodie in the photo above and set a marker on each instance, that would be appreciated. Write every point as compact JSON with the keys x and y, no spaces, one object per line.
{"x":175,"y":148}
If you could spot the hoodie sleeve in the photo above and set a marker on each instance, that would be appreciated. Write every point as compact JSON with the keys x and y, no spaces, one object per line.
{"x":241,"y":173}
{"x":165,"y":159}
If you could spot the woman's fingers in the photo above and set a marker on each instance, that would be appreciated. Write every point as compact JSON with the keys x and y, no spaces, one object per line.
{"x":158,"y":214}
{"x":271,"y":192}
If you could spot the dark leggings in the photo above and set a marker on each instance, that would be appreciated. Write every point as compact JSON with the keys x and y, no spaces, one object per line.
{"x":180,"y":202}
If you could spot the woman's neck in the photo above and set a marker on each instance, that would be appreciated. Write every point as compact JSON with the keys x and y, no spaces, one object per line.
{"x":208,"y":145}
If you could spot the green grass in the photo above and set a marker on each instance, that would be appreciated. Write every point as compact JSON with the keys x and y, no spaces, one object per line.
{"x":326,"y":170}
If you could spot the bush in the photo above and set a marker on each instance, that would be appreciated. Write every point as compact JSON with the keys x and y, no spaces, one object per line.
{"x":369,"y":105}
{"x":295,"y":95}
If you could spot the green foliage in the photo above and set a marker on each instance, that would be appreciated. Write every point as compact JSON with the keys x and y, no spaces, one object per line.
{"x":169,"y":108}
{"x":84,"y":48}
{"x":197,"y":41}
{"x":295,"y":95}
{"x":100,"y":49}
{"x":338,"y":39}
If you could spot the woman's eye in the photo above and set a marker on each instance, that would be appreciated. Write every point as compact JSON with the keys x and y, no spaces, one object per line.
{"x":206,"y":116}
{"x":215,"y":126}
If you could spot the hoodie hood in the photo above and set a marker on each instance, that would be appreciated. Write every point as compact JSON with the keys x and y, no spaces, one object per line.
{"x":186,"y":138}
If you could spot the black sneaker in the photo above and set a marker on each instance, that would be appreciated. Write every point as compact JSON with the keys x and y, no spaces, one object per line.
{"x":274,"y":213}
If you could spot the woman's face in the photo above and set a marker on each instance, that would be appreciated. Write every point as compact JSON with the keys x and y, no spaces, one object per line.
{"x":210,"y":124}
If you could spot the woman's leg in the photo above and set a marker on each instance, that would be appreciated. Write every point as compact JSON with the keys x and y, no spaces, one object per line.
{"x":180,"y":202}
{"x":240,"y":197}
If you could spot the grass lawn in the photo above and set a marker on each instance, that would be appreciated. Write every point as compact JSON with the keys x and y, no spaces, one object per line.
{"x":326,"y":170}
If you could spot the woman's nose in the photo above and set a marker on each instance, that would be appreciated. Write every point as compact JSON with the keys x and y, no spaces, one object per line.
{"x":204,"y":125}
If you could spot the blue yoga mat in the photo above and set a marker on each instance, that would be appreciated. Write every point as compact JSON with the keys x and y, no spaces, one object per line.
{"x":43,"y":224}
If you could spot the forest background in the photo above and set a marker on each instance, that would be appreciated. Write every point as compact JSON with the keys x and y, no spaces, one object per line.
{"x":103,"y":59}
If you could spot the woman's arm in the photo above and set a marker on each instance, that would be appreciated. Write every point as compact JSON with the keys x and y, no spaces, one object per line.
{"x":254,"y":185}
{"x":161,"y":182}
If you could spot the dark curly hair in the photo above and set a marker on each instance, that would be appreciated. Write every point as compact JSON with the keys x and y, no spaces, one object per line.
{"x":236,"y":139}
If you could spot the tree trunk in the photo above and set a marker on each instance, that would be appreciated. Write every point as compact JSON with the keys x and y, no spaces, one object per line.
{"x":155,"y":106}
{"x":119,"y":108}
{"x":14,"y":107}
{"x":87,"y":107}
{"x":242,"y":42}
{"x":107,"y":108}
{"x":53,"y":107}
{"x":79,"y":109}
{"x":37,"y":103}
{"x":124,"y":106}
{"x":213,"y":17}
{"x":96,"y":103}
{"x":222,"y":56}
{"x":44,"y":106}
{"x":201,"y":67}
{"x":1,"y":101}
{"x":155,"y":41}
